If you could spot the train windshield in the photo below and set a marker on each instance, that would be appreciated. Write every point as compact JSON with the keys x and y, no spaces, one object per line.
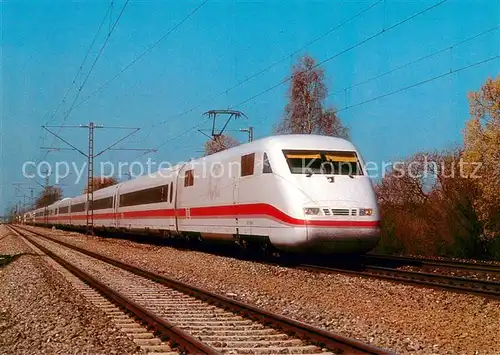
{"x":323,"y":162}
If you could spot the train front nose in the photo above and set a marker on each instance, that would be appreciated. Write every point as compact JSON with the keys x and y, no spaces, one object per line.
{"x":343,"y":227}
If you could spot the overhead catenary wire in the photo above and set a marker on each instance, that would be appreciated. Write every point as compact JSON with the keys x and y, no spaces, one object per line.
{"x":80,"y":68}
{"x":369,"y":38}
{"x":136,"y":59}
{"x":149,"y":49}
{"x":285,"y":80}
{"x":343,"y":23}
{"x":452,"y":71}
{"x":101,"y":50}
{"x":274,"y":64}
{"x":427,"y":56}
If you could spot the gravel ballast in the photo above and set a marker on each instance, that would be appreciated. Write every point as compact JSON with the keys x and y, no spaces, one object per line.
{"x":405,"y":319}
{"x":40,"y":313}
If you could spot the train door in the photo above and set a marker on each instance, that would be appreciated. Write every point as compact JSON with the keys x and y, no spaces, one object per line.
{"x":116,"y":204}
{"x":236,"y":177}
{"x":46,"y":215}
{"x":245,"y":193}
{"x":171,"y":203}
{"x":178,"y":184}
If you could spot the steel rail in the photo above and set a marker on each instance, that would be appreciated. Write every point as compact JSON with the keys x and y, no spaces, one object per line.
{"x":482,"y":288}
{"x":416,"y":261}
{"x":314,"y":335}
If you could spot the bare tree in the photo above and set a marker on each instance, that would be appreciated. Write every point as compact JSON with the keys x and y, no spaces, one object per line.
{"x":427,"y":207}
{"x":220,"y":143}
{"x":304,"y":112}
{"x":100,"y":182}
{"x":48,"y":196}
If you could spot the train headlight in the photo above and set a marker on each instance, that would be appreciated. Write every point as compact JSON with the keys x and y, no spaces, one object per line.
{"x":366,"y":211}
{"x":311,"y":211}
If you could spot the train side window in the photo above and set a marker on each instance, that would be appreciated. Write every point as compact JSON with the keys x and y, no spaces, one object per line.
{"x":164,"y":193}
{"x":101,"y":204}
{"x":143,"y":197}
{"x":247,"y":164}
{"x":189,"y":178}
{"x":266,"y":169}
{"x":80,"y":207}
{"x":171,"y":191}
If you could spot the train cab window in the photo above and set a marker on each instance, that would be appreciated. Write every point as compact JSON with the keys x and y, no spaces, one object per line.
{"x":323,"y":162}
{"x":189,"y":178}
{"x":171,"y":191}
{"x":247,"y":164}
{"x":266,"y":168}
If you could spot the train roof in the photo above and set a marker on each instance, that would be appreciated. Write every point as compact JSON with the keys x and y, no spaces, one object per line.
{"x":295,"y":141}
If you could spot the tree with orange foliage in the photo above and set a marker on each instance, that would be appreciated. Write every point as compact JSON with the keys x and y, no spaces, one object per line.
{"x":427,"y":207}
{"x":100,"y":182}
{"x":455,"y":209}
{"x":482,"y":152}
{"x":305,"y":112}
{"x":220,"y":143}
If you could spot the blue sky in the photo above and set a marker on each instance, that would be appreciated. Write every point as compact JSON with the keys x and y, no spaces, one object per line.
{"x":222,"y":44}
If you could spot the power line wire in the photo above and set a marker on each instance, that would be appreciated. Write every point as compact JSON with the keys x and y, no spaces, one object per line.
{"x":90,"y":71}
{"x":385,"y":30}
{"x":73,"y":82}
{"x":95,"y":61}
{"x":183,"y":133}
{"x":450,"y":47}
{"x":149,"y":49}
{"x":269,"y":67}
{"x":453,"y":71}
{"x":258,"y":73}
{"x":365,"y":101}
{"x":80,"y":68}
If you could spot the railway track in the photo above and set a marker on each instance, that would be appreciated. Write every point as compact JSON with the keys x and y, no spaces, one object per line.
{"x":484,"y":288}
{"x":194,"y":320}
{"x":369,"y":266}
{"x":396,"y":261}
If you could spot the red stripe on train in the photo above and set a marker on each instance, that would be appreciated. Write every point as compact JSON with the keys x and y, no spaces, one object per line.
{"x":227,"y":211}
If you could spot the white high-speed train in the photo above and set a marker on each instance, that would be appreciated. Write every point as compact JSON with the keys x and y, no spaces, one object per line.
{"x":304,"y":193}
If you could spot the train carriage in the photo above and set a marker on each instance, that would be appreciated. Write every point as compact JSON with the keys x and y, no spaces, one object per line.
{"x":293,"y":192}
{"x":147,"y":203}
